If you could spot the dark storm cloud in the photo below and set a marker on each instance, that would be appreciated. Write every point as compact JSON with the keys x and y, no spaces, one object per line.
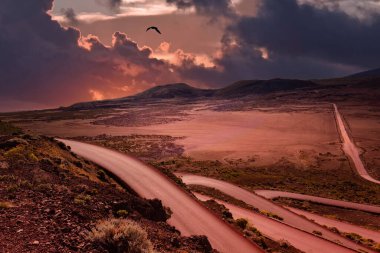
{"x":221,"y":8}
{"x":70,"y":16}
{"x":287,"y":28}
{"x":292,"y":40}
{"x":42,"y":62}
{"x":45,"y":63}
{"x":114,"y":5}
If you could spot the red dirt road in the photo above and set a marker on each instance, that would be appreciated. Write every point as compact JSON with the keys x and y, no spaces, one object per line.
{"x":189,"y":216}
{"x":331,"y":202}
{"x":350,"y":148}
{"x":261,"y":203}
{"x":341,"y":226}
{"x":277,"y":231}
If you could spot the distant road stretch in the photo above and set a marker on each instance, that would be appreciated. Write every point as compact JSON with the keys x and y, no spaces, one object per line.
{"x":290,"y":218}
{"x":331,"y":202}
{"x":189,"y":216}
{"x":350,"y":148}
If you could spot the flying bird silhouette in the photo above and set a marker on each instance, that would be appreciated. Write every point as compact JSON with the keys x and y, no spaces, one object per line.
{"x":153,"y":28}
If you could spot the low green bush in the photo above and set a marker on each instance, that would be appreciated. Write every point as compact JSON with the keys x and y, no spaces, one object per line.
{"x":242,"y":223}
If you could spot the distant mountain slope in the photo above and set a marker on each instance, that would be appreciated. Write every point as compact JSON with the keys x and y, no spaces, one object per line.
{"x":249,"y":87}
{"x":368,"y":73}
{"x":185,"y":91}
{"x":176,"y":90}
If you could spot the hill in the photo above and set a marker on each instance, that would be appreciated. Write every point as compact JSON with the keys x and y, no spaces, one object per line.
{"x":176,"y":90}
{"x":250,"y":87}
{"x":368,"y":73}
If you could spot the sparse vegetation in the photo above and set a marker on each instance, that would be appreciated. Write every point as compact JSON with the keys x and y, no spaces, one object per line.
{"x":32,"y":157}
{"x":242,"y":223}
{"x":361,"y":240}
{"x":254,"y":230}
{"x":63,"y":193}
{"x":121,"y":235}
{"x":82,"y":199}
{"x":283,"y":176}
{"x":15,"y":152}
{"x":360,"y":218}
{"x":271,"y":215}
{"x":101,"y":175}
{"x":8,"y":129}
{"x":249,"y":231}
{"x":122,"y":213}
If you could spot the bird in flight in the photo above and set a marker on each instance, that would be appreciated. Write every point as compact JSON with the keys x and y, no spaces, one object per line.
{"x":153,"y":28}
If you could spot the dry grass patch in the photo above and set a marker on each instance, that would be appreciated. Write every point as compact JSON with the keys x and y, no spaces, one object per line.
{"x":121,"y":235}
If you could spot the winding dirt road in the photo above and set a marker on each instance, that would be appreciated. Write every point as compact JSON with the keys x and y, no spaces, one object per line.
{"x":331,"y":202}
{"x":189,"y":216}
{"x":341,"y":226}
{"x":279,"y":231}
{"x":350,"y":148}
{"x":290,"y":218}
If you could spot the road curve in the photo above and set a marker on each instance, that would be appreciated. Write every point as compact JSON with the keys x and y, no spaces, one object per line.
{"x":261,"y":203}
{"x":279,"y":231}
{"x":350,"y":148}
{"x":331,"y":202}
{"x":341,"y":226}
{"x":189,"y":216}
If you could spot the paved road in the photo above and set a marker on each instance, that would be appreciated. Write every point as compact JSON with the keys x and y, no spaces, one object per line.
{"x":341,"y":226}
{"x":350,"y":148}
{"x":250,"y":198}
{"x":279,"y":231}
{"x":189,"y":216}
{"x":331,"y":202}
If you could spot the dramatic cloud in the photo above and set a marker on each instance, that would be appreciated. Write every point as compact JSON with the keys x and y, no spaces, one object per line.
{"x":289,"y":29}
{"x":112,"y":4}
{"x":362,"y":10}
{"x":221,"y":8}
{"x":293,"y":40}
{"x":70,"y":16}
{"x":43,"y":62}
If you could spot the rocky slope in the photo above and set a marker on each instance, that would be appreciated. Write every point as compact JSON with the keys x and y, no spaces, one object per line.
{"x":50,"y":199}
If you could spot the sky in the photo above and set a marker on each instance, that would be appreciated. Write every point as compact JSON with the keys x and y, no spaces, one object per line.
{"x":55,"y":53}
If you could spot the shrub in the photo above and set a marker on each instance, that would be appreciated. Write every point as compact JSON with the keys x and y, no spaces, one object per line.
{"x":122,"y":213}
{"x":17,"y":183}
{"x":44,"y":187}
{"x":102,"y":175}
{"x":82,"y":199}
{"x":121,"y":235}
{"x":284,"y":244}
{"x":271,"y":215}
{"x":255,"y":231}
{"x":32,"y":157}
{"x":317,"y":232}
{"x":78,"y":164}
{"x":14,"y":152}
{"x":63,"y":146}
{"x":242,"y":223}
{"x":7,"y":128}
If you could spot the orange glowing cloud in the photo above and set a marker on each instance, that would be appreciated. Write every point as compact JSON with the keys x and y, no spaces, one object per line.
{"x":96,"y":95}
